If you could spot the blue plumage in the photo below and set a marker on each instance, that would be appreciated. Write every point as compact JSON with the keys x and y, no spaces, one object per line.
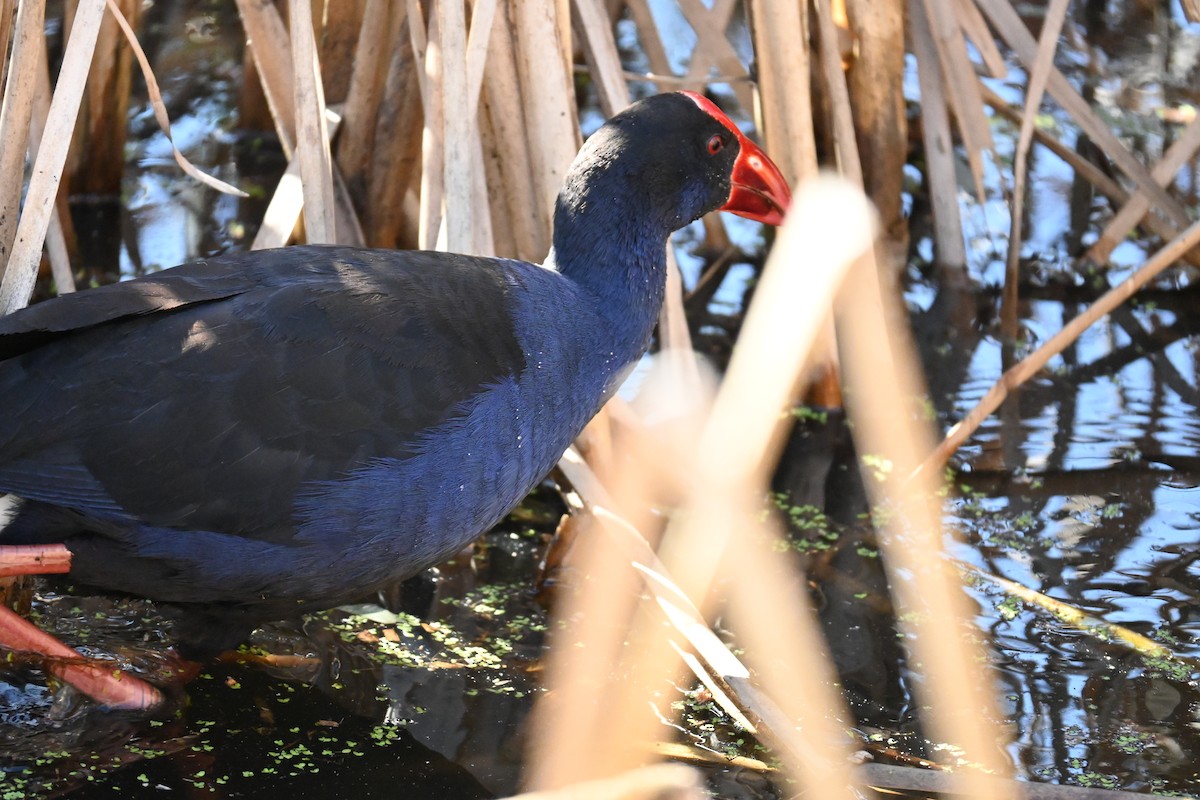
{"x":264,"y":433}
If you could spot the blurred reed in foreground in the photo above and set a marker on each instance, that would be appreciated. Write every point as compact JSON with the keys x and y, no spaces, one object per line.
{"x":449,"y":125}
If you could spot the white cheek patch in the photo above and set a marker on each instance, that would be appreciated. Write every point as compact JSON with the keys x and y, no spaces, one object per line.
{"x":10,"y":505}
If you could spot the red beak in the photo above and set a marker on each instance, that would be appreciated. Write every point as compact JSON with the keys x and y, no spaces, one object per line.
{"x":759,"y":190}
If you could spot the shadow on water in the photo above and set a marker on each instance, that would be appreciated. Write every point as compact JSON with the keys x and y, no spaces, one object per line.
{"x":1086,"y":487}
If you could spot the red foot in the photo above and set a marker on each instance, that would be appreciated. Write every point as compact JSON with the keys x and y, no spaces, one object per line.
{"x":108,"y":686}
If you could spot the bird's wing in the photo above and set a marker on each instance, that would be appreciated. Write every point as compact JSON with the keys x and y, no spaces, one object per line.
{"x":197,"y":282}
{"x":205,"y":397}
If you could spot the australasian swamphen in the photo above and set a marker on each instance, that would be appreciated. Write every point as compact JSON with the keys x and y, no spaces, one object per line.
{"x":261,"y":434}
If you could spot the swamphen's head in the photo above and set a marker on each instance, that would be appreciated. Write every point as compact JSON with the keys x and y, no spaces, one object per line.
{"x":682,"y":157}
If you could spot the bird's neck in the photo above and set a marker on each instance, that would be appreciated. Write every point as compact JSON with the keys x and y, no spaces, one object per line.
{"x":617,"y":258}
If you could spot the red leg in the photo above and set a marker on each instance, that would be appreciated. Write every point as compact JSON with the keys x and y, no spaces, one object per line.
{"x":108,"y":686}
{"x":34,"y":559}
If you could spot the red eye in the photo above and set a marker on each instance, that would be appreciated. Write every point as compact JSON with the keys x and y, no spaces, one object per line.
{"x":716,"y":144}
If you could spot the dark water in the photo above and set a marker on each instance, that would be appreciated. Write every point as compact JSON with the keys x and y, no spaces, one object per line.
{"x":1086,"y":487}
{"x":1087,"y":490}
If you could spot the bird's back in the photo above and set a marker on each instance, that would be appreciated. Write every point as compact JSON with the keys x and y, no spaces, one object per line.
{"x":373,"y":407}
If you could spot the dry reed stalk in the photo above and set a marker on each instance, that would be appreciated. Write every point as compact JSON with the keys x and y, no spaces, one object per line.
{"x":721,"y":671}
{"x":713,"y":48}
{"x":949,"y":248}
{"x":976,"y":30}
{"x":485,"y":232}
{"x":59,"y":255}
{"x":565,"y":748}
{"x":646,"y":660}
{"x":951,"y":659}
{"x":733,"y":455}
{"x":775,"y":623}
{"x":961,"y":87}
{"x":650,"y":39}
{"x":712,"y":276}
{"x":1178,"y":154}
{"x":673,"y":331}
{"x":1086,"y":169}
{"x":716,"y":238}
{"x":21,"y":272}
{"x":875,"y":80}
{"x":614,"y":8}
{"x":503,"y":99}
{"x":925,"y":782}
{"x":15,"y":114}
{"x":826,"y":390}
{"x":718,"y":662}
{"x":569,"y":726}
{"x":600,"y":52}
{"x":380,"y":27}
{"x":658,"y":782}
{"x":1035,"y":361}
{"x":551,"y":121}
{"x":254,"y":112}
{"x":483,"y":17}
{"x":339,"y":35}
{"x":688,"y":754}
{"x":312,"y":136}
{"x":566,"y":40}
{"x":1106,"y":632}
{"x":572,"y":736}
{"x":1056,"y":15}
{"x":268,"y":42}
{"x":882,"y":377}
{"x":427,"y":54}
{"x":848,"y":161}
{"x":96,"y":159}
{"x":1008,"y":24}
{"x":8,"y":9}
{"x":349,"y":228}
{"x":283,"y":211}
{"x":780,"y":36}
{"x":717,"y":687}
{"x":392,"y":205}
{"x":504,"y":240}
{"x":459,"y":134}
{"x":666,"y":80}
{"x":57,"y":249}
{"x":287,"y":201}
{"x":781,"y":44}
